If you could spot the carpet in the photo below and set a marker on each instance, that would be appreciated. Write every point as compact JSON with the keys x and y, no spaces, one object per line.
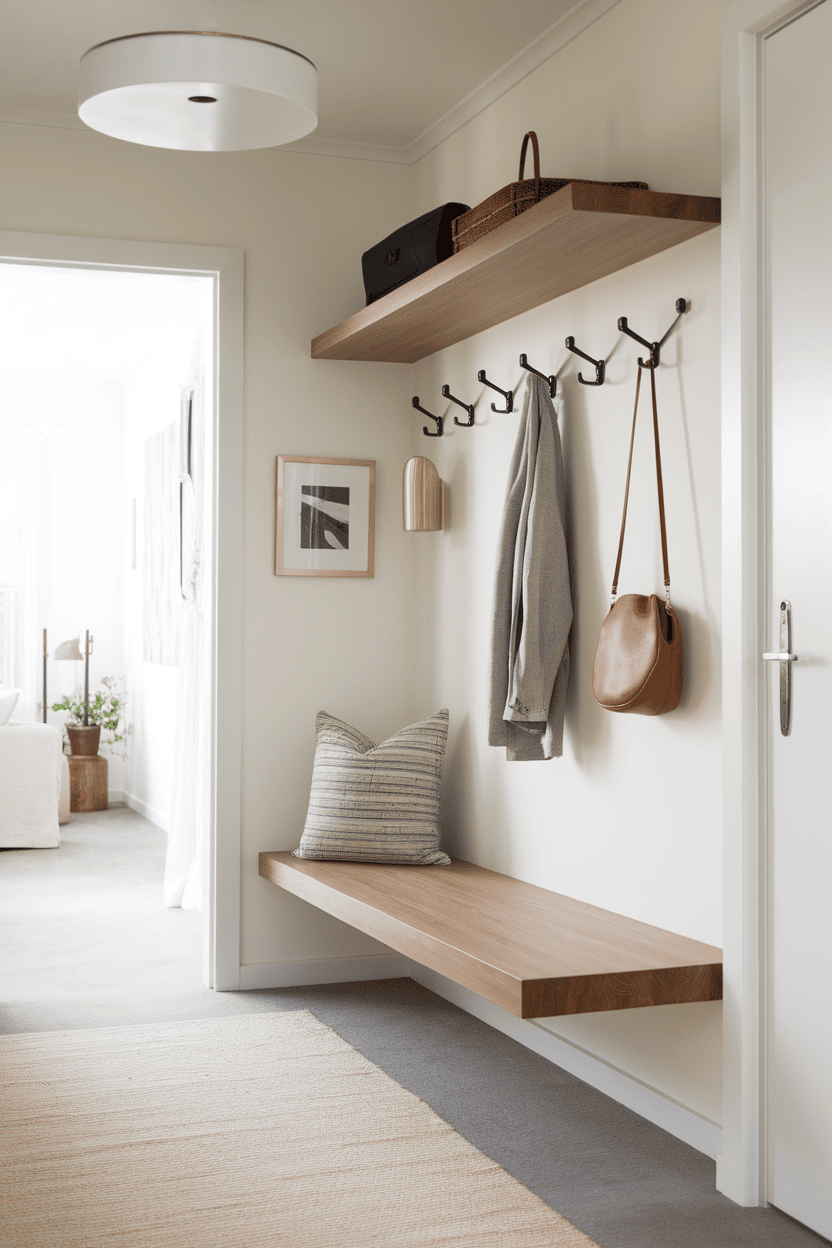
{"x":264,"y":1129}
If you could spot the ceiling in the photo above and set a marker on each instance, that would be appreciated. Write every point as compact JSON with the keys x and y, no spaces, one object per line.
{"x":388,"y":69}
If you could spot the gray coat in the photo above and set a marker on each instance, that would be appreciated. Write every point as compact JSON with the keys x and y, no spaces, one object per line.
{"x":532,"y":597}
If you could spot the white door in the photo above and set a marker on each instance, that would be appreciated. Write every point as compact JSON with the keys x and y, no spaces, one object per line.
{"x":798,"y":216}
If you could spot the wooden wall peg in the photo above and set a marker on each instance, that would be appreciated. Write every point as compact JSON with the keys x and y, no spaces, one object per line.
{"x":421,"y":496}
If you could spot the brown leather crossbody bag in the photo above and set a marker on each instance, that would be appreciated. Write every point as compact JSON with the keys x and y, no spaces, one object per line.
{"x":638,"y":659}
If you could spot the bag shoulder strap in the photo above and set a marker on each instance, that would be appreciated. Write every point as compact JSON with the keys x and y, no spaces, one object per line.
{"x":659,"y":486}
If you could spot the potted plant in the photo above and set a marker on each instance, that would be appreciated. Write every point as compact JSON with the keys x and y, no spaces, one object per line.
{"x":89,"y":715}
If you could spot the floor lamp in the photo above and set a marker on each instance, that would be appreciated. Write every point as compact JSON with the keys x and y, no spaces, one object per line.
{"x":87,"y":772}
{"x":72,"y":650}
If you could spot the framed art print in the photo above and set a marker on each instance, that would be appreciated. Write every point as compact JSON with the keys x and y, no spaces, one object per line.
{"x":325,"y":516}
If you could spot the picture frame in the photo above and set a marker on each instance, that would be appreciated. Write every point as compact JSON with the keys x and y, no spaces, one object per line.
{"x":325,"y":516}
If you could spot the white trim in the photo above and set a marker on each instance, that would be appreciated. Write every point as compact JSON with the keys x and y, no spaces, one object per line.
{"x":345,"y":149}
{"x":17,"y":115}
{"x":585,"y":14}
{"x":741,"y":1168}
{"x":323,"y":971}
{"x":221,"y":927}
{"x":222,"y":947}
{"x":699,"y":1132}
{"x":152,"y":813}
{"x":561,"y":33}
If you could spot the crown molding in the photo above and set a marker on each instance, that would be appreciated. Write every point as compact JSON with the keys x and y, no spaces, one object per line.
{"x":584,"y":14}
{"x":558,"y":36}
{"x":15,"y":115}
{"x":347,"y":150}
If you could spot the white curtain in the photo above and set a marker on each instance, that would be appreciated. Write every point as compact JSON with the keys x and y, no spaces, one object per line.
{"x":183,"y":866}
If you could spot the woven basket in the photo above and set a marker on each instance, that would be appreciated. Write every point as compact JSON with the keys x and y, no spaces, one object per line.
{"x":515,"y":198}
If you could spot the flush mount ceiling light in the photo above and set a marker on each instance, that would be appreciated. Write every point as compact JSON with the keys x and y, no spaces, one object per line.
{"x":200,"y":90}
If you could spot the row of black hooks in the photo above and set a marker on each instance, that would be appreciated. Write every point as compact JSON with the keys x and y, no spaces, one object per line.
{"x":653,"y":347}
{"x":508,"y":395}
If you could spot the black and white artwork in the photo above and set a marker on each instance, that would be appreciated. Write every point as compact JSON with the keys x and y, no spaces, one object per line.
{"x":325,"y":517}
{"x":325,"y":523}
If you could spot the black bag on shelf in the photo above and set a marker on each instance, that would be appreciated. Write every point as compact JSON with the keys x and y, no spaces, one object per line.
{"x":410,"y":250}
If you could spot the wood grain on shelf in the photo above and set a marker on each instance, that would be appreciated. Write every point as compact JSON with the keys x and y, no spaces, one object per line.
{"x":573,"y":237}
{"x":531,"y":951}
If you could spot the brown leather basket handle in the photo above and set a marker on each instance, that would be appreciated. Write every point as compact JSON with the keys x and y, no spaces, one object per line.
{"x":536,"y":153}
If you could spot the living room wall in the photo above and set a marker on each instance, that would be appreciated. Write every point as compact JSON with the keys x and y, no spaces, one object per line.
{"x":62,"y":443}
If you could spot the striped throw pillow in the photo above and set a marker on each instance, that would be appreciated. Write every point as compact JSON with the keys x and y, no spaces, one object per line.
{"x":376,"y":803}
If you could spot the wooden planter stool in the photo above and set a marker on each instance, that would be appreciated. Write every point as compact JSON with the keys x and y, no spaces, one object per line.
{"x":87,"y":782}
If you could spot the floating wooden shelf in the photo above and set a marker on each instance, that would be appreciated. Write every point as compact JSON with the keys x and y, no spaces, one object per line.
{"x":580,"y":233}
{"x":533,"y":952}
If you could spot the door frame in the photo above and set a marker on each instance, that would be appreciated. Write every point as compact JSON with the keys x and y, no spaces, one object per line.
{"x":221,"y":917}
{"x":742,"y":1165}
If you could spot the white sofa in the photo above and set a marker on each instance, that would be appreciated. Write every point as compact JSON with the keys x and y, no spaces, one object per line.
{"x":32,"y":767}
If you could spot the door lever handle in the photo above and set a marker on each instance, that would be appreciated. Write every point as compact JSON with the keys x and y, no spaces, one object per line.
{"x":785,"y":658}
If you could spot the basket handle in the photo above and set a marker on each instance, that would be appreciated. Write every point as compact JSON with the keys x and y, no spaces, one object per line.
{"x":536,"y":153}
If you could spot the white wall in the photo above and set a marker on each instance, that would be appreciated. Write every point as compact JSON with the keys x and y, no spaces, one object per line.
{"x":630,"y":817}
{"x":21,"y":470}
{"x":340,"y":644}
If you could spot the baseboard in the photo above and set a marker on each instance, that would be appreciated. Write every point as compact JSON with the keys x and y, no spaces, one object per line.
{"x":158,"y":817}
{"x":700,"y":1133}
{"x":115,"y":797}
{"x":683,"y":1123}
{"x":323,"y":971}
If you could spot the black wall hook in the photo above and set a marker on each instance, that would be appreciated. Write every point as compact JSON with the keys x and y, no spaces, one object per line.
{"x":469,"y":407}
{"x":552,"y":381}
{"x":440,"y":420}
{"x":508,"y":395}
{"x":654,"y":347}
{"x":600,"y":365}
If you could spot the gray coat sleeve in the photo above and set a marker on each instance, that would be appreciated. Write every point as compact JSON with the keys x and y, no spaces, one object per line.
{"x":530,"y":640}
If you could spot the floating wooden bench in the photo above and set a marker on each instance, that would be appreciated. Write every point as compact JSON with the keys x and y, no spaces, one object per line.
{"x":533,"y":952}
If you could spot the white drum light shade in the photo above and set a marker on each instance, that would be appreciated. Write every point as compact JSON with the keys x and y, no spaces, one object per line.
{"x":198,"y":91}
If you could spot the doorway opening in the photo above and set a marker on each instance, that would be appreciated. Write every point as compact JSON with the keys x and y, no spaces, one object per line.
{"x":111,"y":495}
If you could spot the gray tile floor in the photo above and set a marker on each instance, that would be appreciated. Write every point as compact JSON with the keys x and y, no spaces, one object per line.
{"x":88,"y":943}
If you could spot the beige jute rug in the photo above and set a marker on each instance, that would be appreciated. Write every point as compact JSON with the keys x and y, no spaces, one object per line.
{"x":262,"y":1129}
